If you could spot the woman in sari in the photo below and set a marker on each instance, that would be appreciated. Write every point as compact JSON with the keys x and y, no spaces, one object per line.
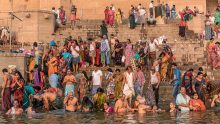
{"x":18,"y":86}
{"x":132,"y":19}
{"x":67,"y":56}
{"x":97,"y":52}
{"x":62,"y":16}
{"x":111,"y":16}
{"x":52,"y":65}
{"x":217,"y":17}
{"x":31,"y":69}
{"x":118,"y":52}
{"x":164,"y":65}
{"x":187,"y":81}
{"x":118,"y":83}
{"x":62,"y":68}
{"x":99,"y":99}
{"x":196,"y":104}
{"x":213,"y":57}
{"x":216,"y":100}
{"x":129,"y":53}
{"x":208,"y":28}
{"x":106,"y":15}
{"x":119,"y":17}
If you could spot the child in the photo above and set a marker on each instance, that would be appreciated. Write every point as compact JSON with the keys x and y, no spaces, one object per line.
{"x":172,"y":107}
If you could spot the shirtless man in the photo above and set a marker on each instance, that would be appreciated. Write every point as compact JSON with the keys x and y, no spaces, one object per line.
{"x":70,"y":102}
{"x":121,"y":105}
{"x":51,"y":99}
{"x":6,"y":90}
{"x":68,"y":82}
{"x":140,"y":105}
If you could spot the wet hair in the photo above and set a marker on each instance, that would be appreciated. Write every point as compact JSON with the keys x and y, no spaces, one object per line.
{"x":128,"y":67}
{"x":35,"y":66}
{"x":195,"y":93}
{"x":107,"y":103}
{"x":38,"y":88}
{"x":20,"y":75}
{"x":174,"y":64}
{"x":87,"y":102}
{"x":200,"y":69}
{"x":100,"y":90}
{"x":76,"y":42}
{"x":85,"y":74}
{"x":200,"y":73}
{"x":4,"y":70}
{"x":139,"y":67}
{"x":118,"y":70}
{"x":110,"y":70}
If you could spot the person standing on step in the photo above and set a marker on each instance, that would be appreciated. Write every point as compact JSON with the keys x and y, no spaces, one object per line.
{"x":73,"y":16}
{"x":167,"y":11}
{"x":151,"y":8}
{"x":105,"y":51}
{"x":6,"y":90}
{"x":111,"y":14}
{"x":139,"y":81}
{"x":104,"y":29}
{"x":152,"y":51}
{"x":155,"y":83}
{"x":76,"y":57}
{"x":173,"y":12}
{"x":176,"y":80}
{"x":97,"y":76}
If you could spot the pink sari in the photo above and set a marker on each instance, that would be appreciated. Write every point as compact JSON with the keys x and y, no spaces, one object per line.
{"x":129,"y":54}
{"x":111,"y":17}
{"x":62,"y":17}
{"x":106,"y":16}
{"x":213,"y":57}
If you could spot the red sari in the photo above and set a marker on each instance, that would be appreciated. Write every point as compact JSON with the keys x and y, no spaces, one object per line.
{"x":97,"y":58}
{"x":198,"y":104}
{"x":18,"y":90}
{"x":62,"y":17}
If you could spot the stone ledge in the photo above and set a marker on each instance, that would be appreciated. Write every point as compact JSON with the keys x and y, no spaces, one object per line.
{"x":12,"y":54}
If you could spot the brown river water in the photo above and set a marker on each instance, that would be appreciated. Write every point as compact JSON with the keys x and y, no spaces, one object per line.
{"x":62,"y":117}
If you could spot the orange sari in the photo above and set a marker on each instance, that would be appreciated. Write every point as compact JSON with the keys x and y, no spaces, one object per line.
{"x":52,"y":66}
{"x":197,"y":104}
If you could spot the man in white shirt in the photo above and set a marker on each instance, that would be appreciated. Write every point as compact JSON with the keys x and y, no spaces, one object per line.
{"x":142,"y":13}
{"x":151,"y":8}
{"x":152,"y":51}
{"x":76,"y":58}
{"x":96,"y":80}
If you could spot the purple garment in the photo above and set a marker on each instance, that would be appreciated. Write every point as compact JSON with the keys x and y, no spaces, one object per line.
{"x":36,"y":78}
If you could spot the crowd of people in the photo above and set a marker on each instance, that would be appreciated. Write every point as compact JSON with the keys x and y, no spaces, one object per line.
{"x":105,"y":74}
{"x":60,"y":79}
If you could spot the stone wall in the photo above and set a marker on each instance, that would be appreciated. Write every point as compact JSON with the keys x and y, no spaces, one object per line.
{"x":12,"y":59}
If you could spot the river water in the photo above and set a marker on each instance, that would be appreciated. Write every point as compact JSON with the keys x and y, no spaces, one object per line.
{"x":61,"y":117}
